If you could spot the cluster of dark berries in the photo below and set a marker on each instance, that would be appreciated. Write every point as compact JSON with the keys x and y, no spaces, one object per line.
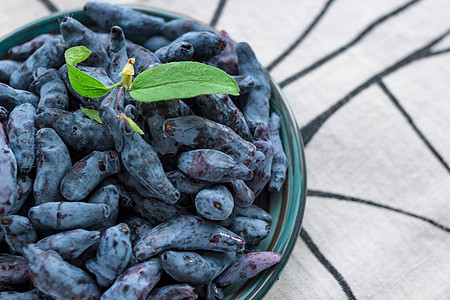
{"x":94,"y":210}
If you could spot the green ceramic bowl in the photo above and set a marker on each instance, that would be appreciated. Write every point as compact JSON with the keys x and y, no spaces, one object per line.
{"x":286,"y":206}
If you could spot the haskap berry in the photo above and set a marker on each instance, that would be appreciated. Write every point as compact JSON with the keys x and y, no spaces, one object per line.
{"x":117,"y":53}
{"x":94,"y":210}
{"x":70,"y":244}
{"x":180,"y":51}
{"x":197,"y":132}
{"x":23,"y":51}
{"x":21,"y":135}
{"x":50,"y":87}
{"x":195,"y":268}
{"x":49,"y":55}
{"x":18,"y":232}
{"x":52,"y":163}
{"x":155,"y":114}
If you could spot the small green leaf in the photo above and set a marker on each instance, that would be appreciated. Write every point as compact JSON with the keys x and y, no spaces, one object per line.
{"x":82,"y":83}
{"x":133,"y":125}
{"x":92,"y":114}
{"x":76,"y":55}
{"x":181,"y":80}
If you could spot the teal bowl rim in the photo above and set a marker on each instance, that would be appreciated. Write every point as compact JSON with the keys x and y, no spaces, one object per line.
{"x":257,"y":287}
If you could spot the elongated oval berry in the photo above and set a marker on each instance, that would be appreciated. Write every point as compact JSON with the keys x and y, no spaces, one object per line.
{"x":252,"y":230}
{"x":247,"y":266}
{"x":200,"y":133}
{"x":178,"y":27}
{"x":117,"y":53}
{"x":136,"y":282}
{"x":226,"y":60}
{"x":76,"y":34}
{"x":21,"y":134}
{"x":87,"y":173}
{"x":181,"y":51}
{"x":195,"y":268}
{"x":256,"y":102}
{"x":242,"y":194}
{"x":50,"y":55}
{"x":50,"y":87}
{"x":279,"y":161}
{"x":10,"y":97}
{"x":261,"y":172}
{"x":212,"y":165}
{"x":13,"y":269}
{"x":24,"y":188}
{"x":253,"y":211}
{"x":18,"y":232}
{"x":78,"y":132}
{"x":108,"y":195}
{"x":6,"y":68}
{"x":142,"y":162}
{"x":206,"y":44}
{"x":187,"y":233}
{"x":113,"y":255}
{"x":70,"y":244}
{"x":155,"y":113}
{"x":57,"y":278}
{"x":108,"y":114}
{"x":52,"y":163}
{"x":221,"y":109}
{"x":67,"y":215}
{"x":23,"y":51}
{"x":132,"y":22}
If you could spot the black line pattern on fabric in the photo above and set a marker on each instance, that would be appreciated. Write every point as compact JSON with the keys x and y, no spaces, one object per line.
{"x":439,"y":52}
{"x":326,"y":263}
{"x":345,"y":47}
{"x":218,"y":12}
{"x":322,"y":194}
{"x":310,"y":129}
{"x":300,"y":39}
{"x":410,"y":121}
{"x":49,"y":5}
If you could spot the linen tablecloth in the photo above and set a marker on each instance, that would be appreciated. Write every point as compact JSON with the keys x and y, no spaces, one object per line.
{"x":369,"y":82}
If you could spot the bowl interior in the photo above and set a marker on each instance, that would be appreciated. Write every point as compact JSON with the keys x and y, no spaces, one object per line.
{"x":286,"y":206}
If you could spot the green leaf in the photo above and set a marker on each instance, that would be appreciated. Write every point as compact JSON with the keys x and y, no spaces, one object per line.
{"x":76,"y":55}
{"x":82,"y":83}
{"x":92,"y":114}
{"x":134,"y":125}
{"x":181,"y":80}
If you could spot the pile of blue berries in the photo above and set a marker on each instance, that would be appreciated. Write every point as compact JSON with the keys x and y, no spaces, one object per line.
{"x":92,"y":210}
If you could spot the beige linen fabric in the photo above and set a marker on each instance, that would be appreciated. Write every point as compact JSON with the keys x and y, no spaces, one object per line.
{"x":369,"y":82}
